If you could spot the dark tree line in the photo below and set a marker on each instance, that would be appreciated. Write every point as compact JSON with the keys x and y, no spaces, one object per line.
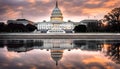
{"x":12,"y":27}
{"x":93,"y":27}
{"x":80,"y":28}
{"x":2,"y":27}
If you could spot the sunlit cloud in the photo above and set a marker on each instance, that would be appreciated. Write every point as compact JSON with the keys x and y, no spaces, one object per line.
{"x":31,"y":1}
{"x":94,"y":2}
{"x":112,"y":3}
{"x":11,"y":14}
{"x":46,"y":1}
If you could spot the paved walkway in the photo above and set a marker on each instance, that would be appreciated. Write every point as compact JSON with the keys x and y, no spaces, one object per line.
{"x":60,"y":36}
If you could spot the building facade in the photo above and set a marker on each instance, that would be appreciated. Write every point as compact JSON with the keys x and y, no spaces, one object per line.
{"x":92,"y":25}
{"x":20,"y":21}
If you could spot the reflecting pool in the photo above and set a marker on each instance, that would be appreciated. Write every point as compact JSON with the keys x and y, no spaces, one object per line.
{"x":59,"y":54}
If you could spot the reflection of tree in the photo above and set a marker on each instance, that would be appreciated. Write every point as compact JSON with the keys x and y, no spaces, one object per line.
{"x":88,"y":44}
{"x":1,"y":44}
{"x":113,"y":47}
{"x":14,"y":43}
{"x":23,"y":45}
{"x":114,"y":52}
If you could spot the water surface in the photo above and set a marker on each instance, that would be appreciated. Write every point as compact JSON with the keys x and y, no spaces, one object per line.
{"x":59,"y":54}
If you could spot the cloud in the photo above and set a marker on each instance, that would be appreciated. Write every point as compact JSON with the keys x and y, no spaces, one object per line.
{"x":112,"y":3}
{"x":36,"y":10}
{"x":91,"y":7}
{"x":31,"y":1}
{"x":94,"y":2}
{"x":46,"y":1}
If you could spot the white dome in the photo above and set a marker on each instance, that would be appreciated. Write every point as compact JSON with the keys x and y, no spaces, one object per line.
{"x":56,"y":14}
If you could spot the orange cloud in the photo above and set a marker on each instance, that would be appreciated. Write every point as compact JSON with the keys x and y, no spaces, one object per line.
{"x":31,"y":1}
{"x":93,"y":2}
{"x":45,"y":1}
{"x":11,"y":14}
{"x":111,"y":3}
{"x":95,"y":11}
{"x":20,"y":8}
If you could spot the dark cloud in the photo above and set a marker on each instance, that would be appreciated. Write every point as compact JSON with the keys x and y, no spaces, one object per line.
{"x":2,"y":10}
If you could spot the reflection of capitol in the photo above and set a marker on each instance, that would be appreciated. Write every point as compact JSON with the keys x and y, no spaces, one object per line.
{"x":51,"y":44}
{"x":91,"y":45}
{"x":23,"y":45}
{"x":26,"y":45}
{"x":56,"y":55}
{"x":57,"y":46}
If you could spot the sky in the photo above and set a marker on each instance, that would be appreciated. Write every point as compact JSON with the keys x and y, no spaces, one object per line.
{"x":39,"y":10}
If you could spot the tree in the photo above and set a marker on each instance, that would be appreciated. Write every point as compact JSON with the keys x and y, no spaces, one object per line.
{"x":114,"y":15}
{"x":80,"y":28}
{"x":30,"y":27}
{"x":2,"y":27}
{"x":92,"y":26}
{"x":113,"y":19}
{"x":14,"y":27}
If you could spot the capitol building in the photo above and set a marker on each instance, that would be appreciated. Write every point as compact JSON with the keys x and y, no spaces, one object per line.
{"x":56,"y":23}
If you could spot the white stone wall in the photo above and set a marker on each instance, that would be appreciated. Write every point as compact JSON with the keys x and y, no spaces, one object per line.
{"x":49,"y":26}
{"x":42,"y":26}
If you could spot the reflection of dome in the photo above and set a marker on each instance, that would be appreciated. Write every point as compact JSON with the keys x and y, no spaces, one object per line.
{"x":56,"y":55}
{"x":56,"y":14}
